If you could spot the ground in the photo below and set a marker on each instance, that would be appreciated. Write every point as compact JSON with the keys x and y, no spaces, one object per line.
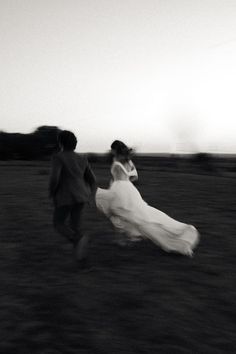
{"x":137,"y":298}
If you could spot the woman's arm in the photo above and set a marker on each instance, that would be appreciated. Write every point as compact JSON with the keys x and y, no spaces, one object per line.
{"x":133,"y":174}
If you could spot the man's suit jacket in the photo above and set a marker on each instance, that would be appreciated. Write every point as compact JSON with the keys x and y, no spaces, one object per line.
{"x":72,"y":179}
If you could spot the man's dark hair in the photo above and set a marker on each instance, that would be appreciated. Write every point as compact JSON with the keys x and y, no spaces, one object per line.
{"x":67,"y":139}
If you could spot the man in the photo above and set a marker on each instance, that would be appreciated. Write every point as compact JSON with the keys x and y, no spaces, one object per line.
{"x":72,"y":183}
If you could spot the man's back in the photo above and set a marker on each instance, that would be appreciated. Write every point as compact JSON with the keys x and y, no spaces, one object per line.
{"x":71,"y":179}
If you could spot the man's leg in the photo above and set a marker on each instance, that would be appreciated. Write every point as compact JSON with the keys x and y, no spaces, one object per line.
{"x":59,"y":220}
{"x":82,"y":244}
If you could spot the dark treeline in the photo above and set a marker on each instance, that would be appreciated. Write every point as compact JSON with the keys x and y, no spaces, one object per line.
{"x":40,"y":144}
{"x":197,"y":162}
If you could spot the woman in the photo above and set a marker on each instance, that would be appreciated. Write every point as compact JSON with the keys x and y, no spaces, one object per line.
{"x":129,"y":213}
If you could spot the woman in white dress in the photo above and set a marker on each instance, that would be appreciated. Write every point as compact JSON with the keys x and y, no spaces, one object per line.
{"x":130,"y":214}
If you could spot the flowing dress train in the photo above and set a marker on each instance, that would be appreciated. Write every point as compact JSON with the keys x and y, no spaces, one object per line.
{"x":129,"y":213}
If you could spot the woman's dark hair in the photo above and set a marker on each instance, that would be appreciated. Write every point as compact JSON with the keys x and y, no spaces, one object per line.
{"x":67,"y":139}
{"x":122,"y":150}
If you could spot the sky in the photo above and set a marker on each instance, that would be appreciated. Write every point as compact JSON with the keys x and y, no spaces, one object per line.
{"x":158,"y":74}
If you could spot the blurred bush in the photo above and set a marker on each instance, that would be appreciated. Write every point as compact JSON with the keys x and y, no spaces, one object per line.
{"x":40,"y":144}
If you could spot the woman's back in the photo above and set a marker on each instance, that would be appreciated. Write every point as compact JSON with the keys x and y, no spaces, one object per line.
{"x":121,"y":171}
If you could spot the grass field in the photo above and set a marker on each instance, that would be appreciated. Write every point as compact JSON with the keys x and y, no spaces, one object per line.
{"x":137,"y":299}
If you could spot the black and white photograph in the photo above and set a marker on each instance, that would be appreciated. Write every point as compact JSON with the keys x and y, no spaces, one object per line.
{"x":117,"y":176}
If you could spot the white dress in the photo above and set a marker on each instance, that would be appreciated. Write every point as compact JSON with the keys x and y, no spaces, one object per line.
{"x":129,"y":213}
